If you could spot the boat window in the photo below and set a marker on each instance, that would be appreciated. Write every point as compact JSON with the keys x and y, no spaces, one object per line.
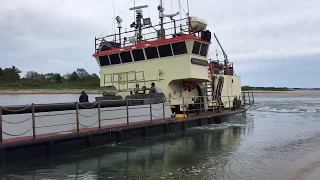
{"x":104,"y":60}
{"x":151,"y":52}
{"x":196,"y":47}
{"x":126,"y":57}
{"x":179,"y":48}
{"x":165,"y":50}
{"x":204,"y":49}
{"x":115,"y":59}
{"x":138,"y":55}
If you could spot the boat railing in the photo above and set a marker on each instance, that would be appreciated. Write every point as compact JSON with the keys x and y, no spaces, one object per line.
{"x":17,"y":123}
{"x":248,"y":97}
{"x":122,"y":38}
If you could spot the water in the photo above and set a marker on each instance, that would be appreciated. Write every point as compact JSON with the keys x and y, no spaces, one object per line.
{"x":279,"y":138}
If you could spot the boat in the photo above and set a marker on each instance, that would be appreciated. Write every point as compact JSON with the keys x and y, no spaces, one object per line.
{"x":175,"y":62}
{"x":154,"y":74}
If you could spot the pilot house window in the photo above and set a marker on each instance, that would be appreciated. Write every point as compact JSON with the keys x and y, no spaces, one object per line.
{"x":165,"y":50}
{"x":179,"y":48}
{"x":151,"y":52}
{"x":204,"y":49}
{"x":196,"y":47}
{"x":114,"y":59}
{"x":104,"y":60}
{"x":138,"y":55}
{"x":126,"y":57}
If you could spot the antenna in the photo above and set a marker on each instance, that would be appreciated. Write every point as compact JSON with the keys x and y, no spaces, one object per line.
{"x":114,"y":25}
{"x":138,"y":7}
{"x":174,"y":21}
{"x":180,"y":15}
{"x":119,"y":21}
{"x":137,"y":25}
{"x":161,"y":34}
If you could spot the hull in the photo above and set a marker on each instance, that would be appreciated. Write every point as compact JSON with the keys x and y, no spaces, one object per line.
{"x":24,"y":148}
{"x":62,"y":122}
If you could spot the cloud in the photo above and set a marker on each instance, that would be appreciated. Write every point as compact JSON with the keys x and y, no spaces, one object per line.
{"x":58,"y":36}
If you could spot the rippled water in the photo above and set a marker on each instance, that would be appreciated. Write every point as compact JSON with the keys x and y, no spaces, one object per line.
{"x":279,"y":138}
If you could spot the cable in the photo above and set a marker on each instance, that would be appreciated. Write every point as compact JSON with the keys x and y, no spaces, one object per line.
{"x":114,"y":19}
{"x":114,"y":24}
{"x":171,"y":23}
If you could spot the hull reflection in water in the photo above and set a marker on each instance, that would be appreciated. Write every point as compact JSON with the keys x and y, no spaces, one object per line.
{"x":199,"y":153}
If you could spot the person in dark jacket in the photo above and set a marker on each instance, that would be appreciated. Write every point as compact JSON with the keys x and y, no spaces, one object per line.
{"x":83,"y":97}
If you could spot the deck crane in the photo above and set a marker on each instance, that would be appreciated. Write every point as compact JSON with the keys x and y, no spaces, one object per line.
{"x":226,"y":61}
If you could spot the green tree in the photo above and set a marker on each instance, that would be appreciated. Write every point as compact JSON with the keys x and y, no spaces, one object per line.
{"x":32,"y":75}
{"x":1,"y":75}
{"x":82,"y":73}
{"x":74,"y":77}
{"x":57,"y":78}
{"x":49,"y":76}
{"x":11,"y":74}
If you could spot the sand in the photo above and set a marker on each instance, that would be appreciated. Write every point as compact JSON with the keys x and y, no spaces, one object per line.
{"x":315,"y":175}
{"x":287,"y":92}
{"x":48,"y":91}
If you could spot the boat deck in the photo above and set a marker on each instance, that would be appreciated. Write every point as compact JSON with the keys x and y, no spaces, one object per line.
{"x":26,"y":135}
{"x":121,"y":125}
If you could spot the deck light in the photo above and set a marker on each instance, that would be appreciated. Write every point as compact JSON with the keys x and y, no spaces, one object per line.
{"x":119,"y":20}
{"x":160,"y":8}
{"x":146,"y":21}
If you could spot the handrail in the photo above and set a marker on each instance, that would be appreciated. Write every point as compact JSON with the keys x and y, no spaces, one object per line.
{"x":99,"y":40}
{"x":156,"y":112}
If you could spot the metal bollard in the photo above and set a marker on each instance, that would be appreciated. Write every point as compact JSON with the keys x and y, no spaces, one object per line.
{"x":163,"y":109}
{"x":0,"y":124}
{"x":77,"y":115}
{"x":99,"y":114}
{"x":183,"y":110}
{"x":127,"y":112}
{"x":33,"y":121}
{"x":150,"y":110}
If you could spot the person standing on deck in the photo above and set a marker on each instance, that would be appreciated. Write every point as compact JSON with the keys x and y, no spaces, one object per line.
{"x":83,"y":97}
{"x":154,"y":89}
{"x":136,"y":89}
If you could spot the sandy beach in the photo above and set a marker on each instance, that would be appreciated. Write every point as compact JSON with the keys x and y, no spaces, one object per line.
{"x":48,"y":91}
{"x":287,"y":92}
{"x":314,"y":175}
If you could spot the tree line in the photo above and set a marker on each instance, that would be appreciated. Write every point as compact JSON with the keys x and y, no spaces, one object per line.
{"x":247,"y":88}
{"x":80,"y":78}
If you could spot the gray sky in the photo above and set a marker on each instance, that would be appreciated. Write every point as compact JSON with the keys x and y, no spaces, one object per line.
{"x":271,"y":42}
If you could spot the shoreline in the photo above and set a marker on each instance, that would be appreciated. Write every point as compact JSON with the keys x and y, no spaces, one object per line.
{"x":287,"y":92}
{"x":96,"y":91}
{"x":313,"y":174}
{"x":47,"y":91}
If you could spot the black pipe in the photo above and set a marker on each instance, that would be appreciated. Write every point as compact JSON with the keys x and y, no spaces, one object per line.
{"x":23,"y":109}
{"x":137,"y":99}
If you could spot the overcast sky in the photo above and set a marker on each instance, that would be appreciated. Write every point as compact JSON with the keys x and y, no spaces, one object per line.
{"x":271,"y":42}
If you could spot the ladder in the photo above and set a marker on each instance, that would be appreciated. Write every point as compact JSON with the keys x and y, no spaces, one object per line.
{"x":209,"y":88}
{"x":124,"y":81}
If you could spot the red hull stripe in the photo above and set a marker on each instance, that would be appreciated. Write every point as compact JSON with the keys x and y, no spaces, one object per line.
{"x":152,"y":43}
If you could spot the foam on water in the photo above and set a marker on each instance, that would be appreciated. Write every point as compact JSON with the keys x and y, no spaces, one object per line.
{"x":286,"y":110}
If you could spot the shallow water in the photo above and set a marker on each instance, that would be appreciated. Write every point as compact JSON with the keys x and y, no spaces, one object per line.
{"x":279,"y":138}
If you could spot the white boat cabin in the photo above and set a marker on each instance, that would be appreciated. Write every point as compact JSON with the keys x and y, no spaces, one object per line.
{"x":177,"y":63}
